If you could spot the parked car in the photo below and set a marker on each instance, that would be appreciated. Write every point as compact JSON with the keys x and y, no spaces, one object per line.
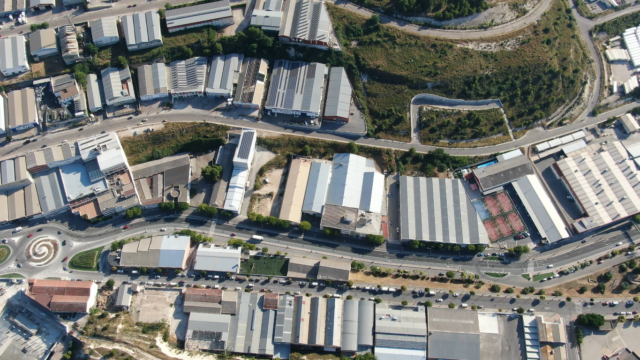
{"x":30,"y":235}
{"x":65,"y":259}
{"x":125,"y":227}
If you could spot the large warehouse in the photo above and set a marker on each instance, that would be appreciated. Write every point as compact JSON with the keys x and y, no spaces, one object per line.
{"x":242,"y":161}
{"x":317,"y":321}
{"x":400,"y":333}
{"x":539,"y":206}
{"x":154,"y":81}
{"x":356,"y":183}
{"x":357,"y":327}
{"x":216,"y":13}
{"x":438,"y":210}
{"x":168,"y":251}
{"x":294,"y":192}
{"x":296,"y":88}
{"x":603,"y":181}
{"x":63,"y":296}
{"x":317,"y":188}
{"x":491,"y":178}
{"x":339,"y":96}
{"x":212,"y":258}
{"x":223,"y":75}
{"x":13,"y":55}
{"x":307,"y":22}
{"x":163,"y":180}
{"x":188,"y":77}
{"x":142,"y":30}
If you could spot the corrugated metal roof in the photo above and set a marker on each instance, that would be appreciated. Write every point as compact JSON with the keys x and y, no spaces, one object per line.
{"x":267,"y":20}
{"x":334,"y":270}
{"x":124,"y":295}
{"x":317,"y":187}
{"x":49,"y":189}
{"x":295,"y":188}
{"x":296,"y":86}
{"x":188,"y":75}
{"x":94,"y":97}
{"x":350,"y":325}
{"x":212,"y":258}
{"x":338,"y":94}
{"x":152,"y":79}
{"x":251,"y":84}
{"x":103,"y":27}
{"x":13,"y":53}
{"x":252,"y":328}
{"x":503,"y":172}
{"x":284,"y":320}
{"x":355,"y":184}
{"x":68,"y":43}
{"x":22,"y":107}
{"x":176,"y":18}
{"x":142,"y":29}
{"x":366,"y":316}
{"x":306,"y":20}
{"x":44,"y":39}
{"x":112,"y":83}
{"x":438,"y":210}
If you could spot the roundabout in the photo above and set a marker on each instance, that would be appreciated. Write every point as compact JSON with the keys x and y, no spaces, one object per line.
{"x":42,"y":251}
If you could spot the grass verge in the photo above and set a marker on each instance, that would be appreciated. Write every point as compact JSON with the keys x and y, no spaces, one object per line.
{"x":5,"y":251}
{"x":86,"y":260}
{"x":526,"y":276}
{"x":172,"y":139}
{"x":617,"y":26}
{"x":265,"y":265}
{"x":12,"y":276}
{"x":542,"y":276}
{"x":533,"y":80}
{"x":496,"y":275}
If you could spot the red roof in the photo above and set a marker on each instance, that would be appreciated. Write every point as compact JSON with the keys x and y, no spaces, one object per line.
{"x":65,"y":303}
{"x":385,"y":227}
{"x":60,"y":287}
{"x":270,"y":301}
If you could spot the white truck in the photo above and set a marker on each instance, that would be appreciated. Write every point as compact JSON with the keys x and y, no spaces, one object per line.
{"x":17,"y":230}
{"x":257,"y":237}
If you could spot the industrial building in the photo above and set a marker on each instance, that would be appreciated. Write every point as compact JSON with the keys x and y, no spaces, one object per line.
{"x":251,"y":329}
{"x":307,"y":22}
{"x":13,"y":55}
{"x":204,"y":301}
{"x":154,"y":81}
{"x":210,"y":14}
{"x":242,"y":161}
{"x":118,"y":86}
{"x":250,"y":87}
{"x":224,"y":158}
{"x":339,"y":96}
{"x":22,"y":112}
{"x":141,"y":30}
{"x":207,"y":332}
{"x":41,"y":4}
{"x":94,"y":93}
{"x":188,"y":76}
{"x":160,"y":251}
{"x":303,"y":268}
{"x":123,"y":300}
{"x":42,"y":44}
{"x":545,"y":339}
{"x":223,"y":75}
{"x":491,"y":178}
{"x":11,"y":6}
{"x":62,"y":296}
{"x":357,"y":327}
{"x":400,"y":333}
{"x":438,"y":210}
{"x":69,"y":48}
{"x":631,"y":40}
{"x":18,"y":196}
{"x":553,"y":143}
{"x":629,"y":123}
{"x":212,"y":258}
{"x":540,"y":208}
{"x":294,"y":193}
{"x":296,"y":88}
{"x":3,"y":114}
{"x":603,"y":182}
{"x":162,"y":180}
{"x":315,"y":195}
{"x":104,"y":31}
{"x":267,"y":15}
{"x":470,"y":335}
{"x":68,"y":93}
{"x":317,"y":322}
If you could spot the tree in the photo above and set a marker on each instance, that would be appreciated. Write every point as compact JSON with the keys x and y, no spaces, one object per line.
{"x":592,"y":320}
{"x":378,"y":300}
{"x":115,"y":246}
{"x":182,"y":206}
{"x":167,"y":206}
{"x":306,"y":150}
{"x":122,"y":62}
{"x":159,"y":270}
{"x":412,"y":151}
{"x":265,"y":250}
{"x":210,"y":211}
{"x":403,"y":288}
{"x":352,"y":147}
{"x":451,"y":305}
{"x":519,"y":250}
{"x":211,"y":173}
{"x":414,"y":244}
{"x":8,"y":138}
{"x":583,"y":289}
{"x":349,"y":297}
{"x":133,"y":212}
{"x":143,"y":270}
{"x":217,"y":49}
{"x":168,"y":6}
{"x":509,"y":290}
{"x":91,"y":49}
{"x":405,"y":303}
{"x":113,"y":268}
{"x":428,"y":304}
{"x":557,"y":293}
{"x":375,"y":239}
{"x":495,"y":288}
{"x":569,"y":298}
{"x":305,"y":226}
{"x":607,"y":277}
{"x":520,"y":310}
{"x":450,"y":274}
{"x":602,"y":287}
{"x":110,"y":283}
{"x":349,"y":283}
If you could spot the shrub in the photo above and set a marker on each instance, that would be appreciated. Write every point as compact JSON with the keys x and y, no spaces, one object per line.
{"x":509,"y":290}
{"x":450,"y":274}
{"x":110,"y":283}
{"x":495,"y":288}
{"x":428,"y":304}
{"x":451,"y":305}
{"x":211,"y":173}
{"x":209,"y":211}
{"x":591,"y":320}
{"x":520,"y":310}
{"x":167,"y":206}
{"x":305,"y":226}
{"x":557,"y":293}
{"x":405,"y":303}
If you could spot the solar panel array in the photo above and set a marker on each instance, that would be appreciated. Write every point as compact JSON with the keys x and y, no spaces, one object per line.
{"x":245,"y":145}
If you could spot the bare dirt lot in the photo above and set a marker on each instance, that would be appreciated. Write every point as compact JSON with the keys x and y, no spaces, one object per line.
{"x":613,"y":290}
{"x":154,"y":305}
{"x":269,"y":205}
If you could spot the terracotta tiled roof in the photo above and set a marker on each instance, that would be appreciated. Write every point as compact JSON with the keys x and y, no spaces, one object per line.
{"x":65,"y":303}
{"x":203,"y":295}
{"x":60,"y":287}
{"x":270,"y":301}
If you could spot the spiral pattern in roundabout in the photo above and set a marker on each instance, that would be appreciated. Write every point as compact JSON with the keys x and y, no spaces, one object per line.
{"x":42,"y":251}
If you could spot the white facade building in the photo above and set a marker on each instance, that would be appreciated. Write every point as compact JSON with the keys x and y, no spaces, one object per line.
{"x":13,"y":55}
{"x":104,"y":31}
{"x":241,"y":167}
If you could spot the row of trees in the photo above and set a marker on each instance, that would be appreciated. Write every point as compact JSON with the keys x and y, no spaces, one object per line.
{"x":270,"y":220}
{"x":415,"y":244}
{"x":239,"y":243}
{"x":207,"y":210}
{"x":171,"y":206}
{"x":195,"y":237}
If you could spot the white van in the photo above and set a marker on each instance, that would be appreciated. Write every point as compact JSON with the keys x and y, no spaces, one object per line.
{"x":163,"y":229}
{"x":464,"y":305}
{"x":18,"y":229}
{"x":337,"y":296}
{"x":385,"y":289}
{"x":257,"y":237}
{"x":313,"y":284}
{"x":431,"y":293}
{"x":134,"y":271}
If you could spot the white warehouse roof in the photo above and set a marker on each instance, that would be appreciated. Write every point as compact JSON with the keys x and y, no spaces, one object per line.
{"x":211,"y":258}
{"x":296,"y":86}
{"x":223,"y":74}
{"x":142,"y":28}
{"x":355,"y":183}
{"x":338,"y":95}
{"x":541,"y":209}
{"x":317,"y":187}
{"x":188,"y":75}
{"x":13,"y":53}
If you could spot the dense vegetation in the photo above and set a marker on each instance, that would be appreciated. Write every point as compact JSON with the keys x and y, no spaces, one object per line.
{"x":437,"y":9}
{"x":172,"y":139}
{"x":619,"y":25}
{"x":86,"y":260}
{"x":592,"y":320}
{"x":441,"y":124}
{"x":543,"y":73}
